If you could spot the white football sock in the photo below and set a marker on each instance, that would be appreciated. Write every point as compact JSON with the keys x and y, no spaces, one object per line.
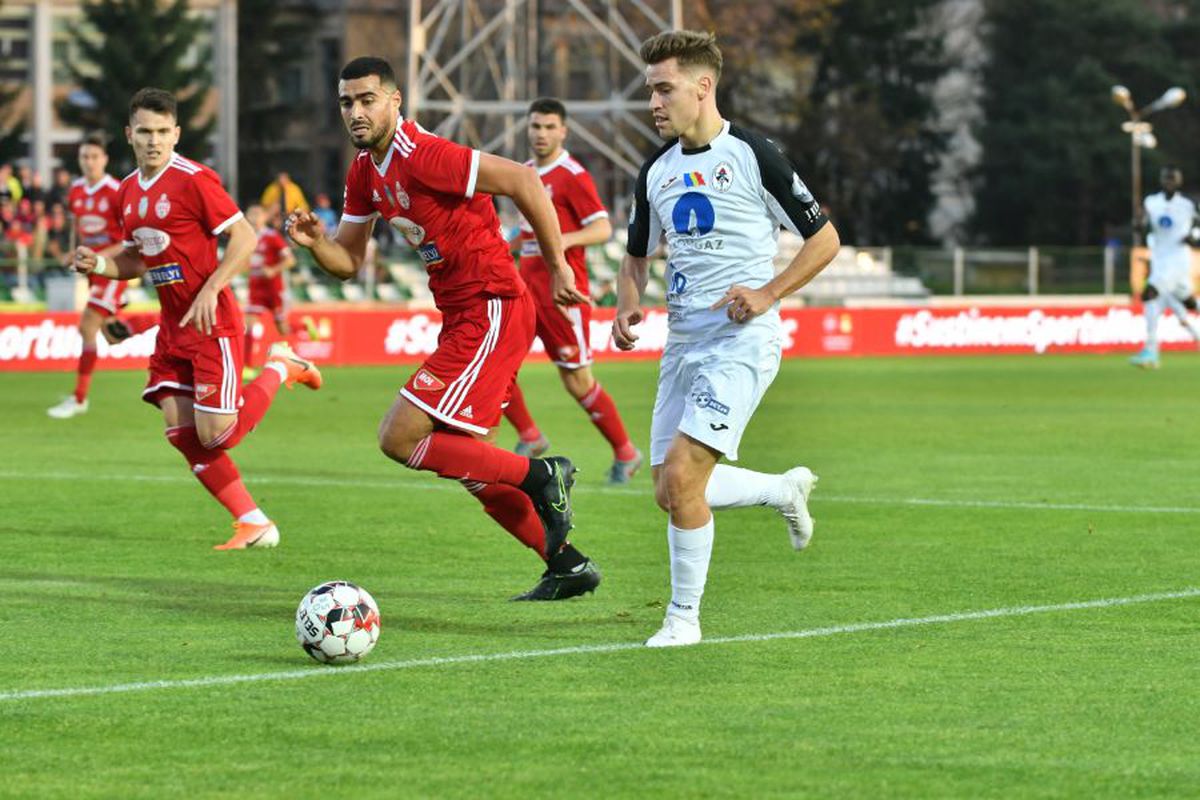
{"x":734,"y":487}
{"x":278,"y":367}
{"x":1153,"y":311}
{"x":255,"y":517}
{"x":691,"y":551}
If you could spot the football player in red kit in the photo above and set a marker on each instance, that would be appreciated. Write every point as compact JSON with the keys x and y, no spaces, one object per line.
{"x":269,"y":263}
{"x":172,"y":210}
{"x":437,"y":195}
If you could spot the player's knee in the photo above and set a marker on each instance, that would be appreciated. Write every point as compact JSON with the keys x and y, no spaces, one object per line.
{"x":662,"y":497}
{"x":678,"y":483}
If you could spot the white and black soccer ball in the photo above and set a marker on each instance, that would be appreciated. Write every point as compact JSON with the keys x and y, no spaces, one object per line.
{"x":337,"y":622}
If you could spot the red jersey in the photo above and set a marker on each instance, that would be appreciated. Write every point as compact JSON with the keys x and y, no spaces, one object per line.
{"x":174,"y":219}
{"x":425,"y":189}
{"x":96,"y":212}
{"x":577,"y":204}
{"x":271,"y":249}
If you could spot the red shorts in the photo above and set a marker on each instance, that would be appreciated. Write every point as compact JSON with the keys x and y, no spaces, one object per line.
{"x":106,"y":295}
{"x":565,"y":336}
{"x":468,"y":378}
{"x":267,"y":296}
{"x":209,"y":370}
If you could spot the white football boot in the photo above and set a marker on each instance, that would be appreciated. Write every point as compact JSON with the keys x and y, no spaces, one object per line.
{"x":676,"y":632}
{"x":69,"y":407}
{"x":800,"y":482}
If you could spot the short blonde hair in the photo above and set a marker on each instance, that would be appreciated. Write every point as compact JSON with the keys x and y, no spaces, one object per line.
{"x":689,"y":48}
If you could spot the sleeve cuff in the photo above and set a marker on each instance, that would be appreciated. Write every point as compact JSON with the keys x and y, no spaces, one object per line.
{"x":474,"y":174}
{"x":588,"y":220}
{"x":359,"y":219}
{"x":217,"y":231}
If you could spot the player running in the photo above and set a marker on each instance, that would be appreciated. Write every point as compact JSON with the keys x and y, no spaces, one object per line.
{"x":1170,"y":218}
{"x":583,"y":221}
{"x":436,"y":194}
{"x":720,"y":193}
{"x":171,"y":212}
{"x":92,"y":201}
{"x":269,"y":263}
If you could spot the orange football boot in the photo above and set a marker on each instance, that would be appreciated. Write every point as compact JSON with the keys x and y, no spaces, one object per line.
{"x":247,"y":534}
{"x":298,"y":369}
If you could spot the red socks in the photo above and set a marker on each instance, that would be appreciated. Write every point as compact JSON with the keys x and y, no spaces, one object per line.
{"x":214,"y":469}
{"x":603,"y":413}
{"x":256,"y":399}
{"x":457,"y":455}
{"x":518,"y":414}
{"x":83,"y":376}
{"x":513,"y":510}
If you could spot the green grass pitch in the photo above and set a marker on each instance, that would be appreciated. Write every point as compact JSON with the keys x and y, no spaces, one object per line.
{"x":948,"y":486}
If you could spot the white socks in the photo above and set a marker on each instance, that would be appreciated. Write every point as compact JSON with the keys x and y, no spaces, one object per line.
{"x":690,"y":551}
{"x":1153,"y":310}
{"x":279,"y":368}
{"x":255,"y":517}
{"x":734,"y":487}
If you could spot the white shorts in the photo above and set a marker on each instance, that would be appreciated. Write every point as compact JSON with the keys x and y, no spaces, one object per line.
{"x":1177,"y":283}
{"x":709,"y":389}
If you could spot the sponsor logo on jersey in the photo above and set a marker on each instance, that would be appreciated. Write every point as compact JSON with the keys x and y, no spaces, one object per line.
{"x":163,"y":206}
{"x":413,"y":233}
{"x":706,"y":400}
{"x":722,"y":177}
{"x":151,"y":241}
{"x":693,"y":179}
{"x":402,"y":196}
{"x":530,"y":247}
{"x":425,"y":380}
{"x":1165,"y":222}
{"x":143,"y":205}
{"x":205,"y":390}
{"x":164,"y":275}
{"x":800,"y":191}
{"x":430,"y":254}
{"x":92,"y":224}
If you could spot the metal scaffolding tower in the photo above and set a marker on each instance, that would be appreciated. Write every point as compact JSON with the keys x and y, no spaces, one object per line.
{"x":474,"y":66}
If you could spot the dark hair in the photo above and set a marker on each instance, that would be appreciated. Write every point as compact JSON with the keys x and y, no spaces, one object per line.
{"x":363,"y":66}
{"x":688,"y":48}
{"x":159,"y":101}
{"x":96,"y":139}
{"x":548,"y":105}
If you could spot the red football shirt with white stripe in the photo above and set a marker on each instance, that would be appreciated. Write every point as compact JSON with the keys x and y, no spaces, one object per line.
{"x":174,"y":219}
{"x":271,"y":249}
{"x":95,"y":209}
{"x":577,"y":204}
{"x":425,"y":189}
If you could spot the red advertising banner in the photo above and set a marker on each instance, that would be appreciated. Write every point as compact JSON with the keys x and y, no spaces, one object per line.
{"x":386,"y":335}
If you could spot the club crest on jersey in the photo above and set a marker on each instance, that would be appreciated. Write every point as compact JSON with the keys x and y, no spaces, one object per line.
{"x":204,"y":391}
{"x":143,"y":206}
{"x":163,"y":206}
{"x":722,"y":177}
{"x":425,"y":380}
{"x":402,"y":198}
{"x":799,"y":190}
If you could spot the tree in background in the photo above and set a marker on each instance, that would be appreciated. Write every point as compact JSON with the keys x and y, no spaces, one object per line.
{"x":846,"y":88}
{"x":1055,"y":164}
{"x":11,"y":146}
{"x":125,"y":45}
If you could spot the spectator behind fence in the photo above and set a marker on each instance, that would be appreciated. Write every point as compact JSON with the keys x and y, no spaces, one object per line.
{"x":281,"y":197}
{"x":10,"y":187}
{"x":59,"y":188}
{"x":326,"y":213}
{"x":58,"y":235}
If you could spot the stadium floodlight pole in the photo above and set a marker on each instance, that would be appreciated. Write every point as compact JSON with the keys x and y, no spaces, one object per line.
{"x":1141,"y":135}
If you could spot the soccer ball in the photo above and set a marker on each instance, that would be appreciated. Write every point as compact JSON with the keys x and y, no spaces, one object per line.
{"x":337,"y":622}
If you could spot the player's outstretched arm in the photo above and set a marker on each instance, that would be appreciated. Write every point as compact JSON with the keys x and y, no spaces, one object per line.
{"x":631,"y":284}
{"x":340,"y":256}
{"x":745,"y":303}
{"x":116,"y":262}
{"x":500,"y":176}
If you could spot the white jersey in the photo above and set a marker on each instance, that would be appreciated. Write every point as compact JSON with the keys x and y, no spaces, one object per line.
{"x":721,"y":207}
{"x":1171,"y":220}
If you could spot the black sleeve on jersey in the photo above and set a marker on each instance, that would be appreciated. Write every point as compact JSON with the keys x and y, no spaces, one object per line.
{"x":638,"y":242}
{"x":778,"y":176}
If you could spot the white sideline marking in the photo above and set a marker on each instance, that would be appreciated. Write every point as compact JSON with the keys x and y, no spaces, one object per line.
{"x":810,"y":633}
{"x":426,"y":483}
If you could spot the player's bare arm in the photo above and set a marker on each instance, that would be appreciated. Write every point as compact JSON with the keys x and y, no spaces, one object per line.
{"x":521,"y":183}
{"x":117,"y":262}
{"x":745,"y":303}
{"x":597,"y":231}
{"x":202,"y":315}
{"x":340,"y":256}
{"x":631,"y":284}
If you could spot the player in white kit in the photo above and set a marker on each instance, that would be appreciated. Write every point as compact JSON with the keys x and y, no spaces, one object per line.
{"x":1170,"y":219}
{"x":720,"y":194}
